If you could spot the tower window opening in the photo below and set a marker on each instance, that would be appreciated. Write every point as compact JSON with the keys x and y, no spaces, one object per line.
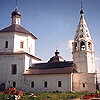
{"x":87,"y":35}
{"x":82,"y":45}
{"x":6,"y":44}
{"x":32,"y":84}
{"x":89,"y":45}
{"x":81,"y":36}
{"x":81,"y":30}
{"x":45,"y":84}
{"x":81,"y":25}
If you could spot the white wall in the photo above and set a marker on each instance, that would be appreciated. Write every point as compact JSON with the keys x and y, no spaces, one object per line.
{"x":6,"y":37}
{"x":29,"y":43}
{"x":29,"y":61}
{"x":91,"y":62}
{"x":14,"y":40}
{"x":52,"y":81}
{"x":22,"y":62}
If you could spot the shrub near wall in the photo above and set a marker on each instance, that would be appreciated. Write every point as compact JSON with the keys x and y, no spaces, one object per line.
{"x":47,"y":96}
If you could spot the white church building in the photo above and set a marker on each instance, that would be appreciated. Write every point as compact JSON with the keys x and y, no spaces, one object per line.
{"x":20,"y":68}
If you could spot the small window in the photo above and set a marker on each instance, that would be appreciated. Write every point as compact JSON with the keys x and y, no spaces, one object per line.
{"x":81,"y":36}
{"x":59,"y":84}
{"x":89,"y":45}
{"x":14,"y":68}
{"x":18,"y":21}
{"x":87,"y":35}
{"x":82,"y":26}
{"x":21,"y":44}
{"x":81,"y":30}
{"x":84,"y":85}
{"x":32,"y":84}
{"x":6,"y":44}
{"x":45,"y":84}
{"x":14,"y":84}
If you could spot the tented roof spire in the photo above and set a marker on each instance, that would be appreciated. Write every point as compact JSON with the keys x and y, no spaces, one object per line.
{"x":82,"y":29}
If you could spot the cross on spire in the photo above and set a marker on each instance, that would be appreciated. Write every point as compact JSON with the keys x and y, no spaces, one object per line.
{"x":81,"y":11}
{"x":56,"y":53}
{"x":81,"y":4}
{"x":16,"y":4}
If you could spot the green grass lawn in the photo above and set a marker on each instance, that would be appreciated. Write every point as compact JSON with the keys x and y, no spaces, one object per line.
{"x":47,"y":96}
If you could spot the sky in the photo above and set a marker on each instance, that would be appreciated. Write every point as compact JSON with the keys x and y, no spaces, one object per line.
{"x":54,"y":23}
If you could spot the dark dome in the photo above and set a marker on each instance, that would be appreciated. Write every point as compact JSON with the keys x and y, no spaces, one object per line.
{"x":16,"y":12}
{"x":56,"y":58}
{"x":81,"y":11}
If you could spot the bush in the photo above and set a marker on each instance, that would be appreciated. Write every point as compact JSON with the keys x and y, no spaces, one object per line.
{"x":56,"y":95}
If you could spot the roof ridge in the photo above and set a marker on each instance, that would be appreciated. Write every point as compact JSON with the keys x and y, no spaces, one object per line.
{"x":17,"y":28}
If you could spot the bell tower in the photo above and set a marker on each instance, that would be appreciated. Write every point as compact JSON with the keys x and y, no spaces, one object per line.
{"x":16,"y":17}
{"x":83,"y":47}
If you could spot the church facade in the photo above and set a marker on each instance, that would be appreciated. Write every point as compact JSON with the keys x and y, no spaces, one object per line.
{"x":20,"y":68}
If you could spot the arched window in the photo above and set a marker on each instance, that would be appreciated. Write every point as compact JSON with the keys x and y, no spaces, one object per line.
{"x":32,"y":84}
{"x":82,"y":45}
{"x":84,"y":85}
{"x":6,"y":44}
{"x":45,"y":84}
{"x":14,"y":84}
{"x":59,"y":83}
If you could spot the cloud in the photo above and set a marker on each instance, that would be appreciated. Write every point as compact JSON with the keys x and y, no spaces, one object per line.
{"x":70,"y":45}
{"x":65,"y":49}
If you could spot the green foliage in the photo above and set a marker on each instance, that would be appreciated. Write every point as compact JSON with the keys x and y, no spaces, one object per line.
{"x":5,"y":97}
{"x":49,"y":96}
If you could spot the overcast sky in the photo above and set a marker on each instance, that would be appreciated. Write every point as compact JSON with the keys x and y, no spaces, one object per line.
{"x":54,"y":23}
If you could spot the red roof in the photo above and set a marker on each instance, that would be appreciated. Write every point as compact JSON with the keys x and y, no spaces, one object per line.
{"x":65,"y":70}
{"x":17,"y":28}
